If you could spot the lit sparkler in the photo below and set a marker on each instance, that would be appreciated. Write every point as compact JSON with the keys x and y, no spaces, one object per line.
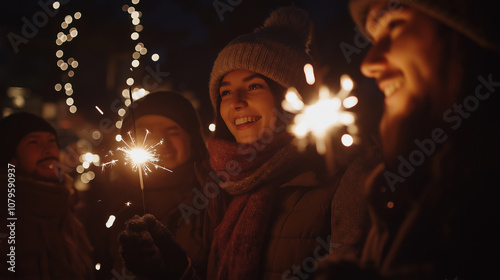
{"x":315,"y":121}
{"x":141,"y":157}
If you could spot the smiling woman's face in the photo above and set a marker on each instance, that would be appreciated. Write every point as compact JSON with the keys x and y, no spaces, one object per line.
{"x":247,"y":105}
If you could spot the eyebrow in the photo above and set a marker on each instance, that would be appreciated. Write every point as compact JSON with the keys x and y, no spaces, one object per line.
{"x":246,"y":79}
{"x":380,"y":14}
{"x":35,"y":135}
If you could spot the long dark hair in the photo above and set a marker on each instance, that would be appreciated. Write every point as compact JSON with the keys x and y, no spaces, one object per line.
{"x":475,"y":140}
{"x":464,"y":173}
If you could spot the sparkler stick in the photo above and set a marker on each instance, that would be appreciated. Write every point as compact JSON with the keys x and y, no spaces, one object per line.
{"x":141,"y":181}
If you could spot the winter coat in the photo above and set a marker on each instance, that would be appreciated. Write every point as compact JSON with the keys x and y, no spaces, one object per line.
{"x":444,"y":226}
{"x":305,"y":215}
{"x":299,"y":235}
{"x":50,"y":242}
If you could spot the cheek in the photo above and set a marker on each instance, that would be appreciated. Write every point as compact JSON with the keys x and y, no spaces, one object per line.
{"x":26,"y":161}
{"x":182,"y":145}
{"x":269,"y":110}
{"x":25,"y":155}
{"x":223,"y":110}
{"x":224,"y":113}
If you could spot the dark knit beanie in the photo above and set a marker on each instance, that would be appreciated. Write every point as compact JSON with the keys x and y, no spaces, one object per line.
{"x":15,"y":127}
{"x":278,"y":50}
{"x":173,"y":106}
{"x":476,"y":19}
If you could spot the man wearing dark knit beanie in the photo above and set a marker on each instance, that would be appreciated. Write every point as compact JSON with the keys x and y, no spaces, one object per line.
{"x":30,"y":143}
{"x":172,"y":119}
{"x":50,"y":242}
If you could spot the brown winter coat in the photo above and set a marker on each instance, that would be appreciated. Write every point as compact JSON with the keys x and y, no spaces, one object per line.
{"x":300,"y":235}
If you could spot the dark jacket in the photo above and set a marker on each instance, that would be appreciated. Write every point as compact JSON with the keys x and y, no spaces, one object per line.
{"x":50,"y":242}
{"x":440,"y":226}
{"x":306,"y":214}
{"x":163,"y":195}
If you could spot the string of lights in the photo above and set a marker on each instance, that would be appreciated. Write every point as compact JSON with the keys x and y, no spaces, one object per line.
{"x":139,"y":51}
{"x":66,"y":63}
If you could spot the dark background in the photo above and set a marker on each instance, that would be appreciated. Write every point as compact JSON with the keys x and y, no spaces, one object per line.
{"x":187,"y":34}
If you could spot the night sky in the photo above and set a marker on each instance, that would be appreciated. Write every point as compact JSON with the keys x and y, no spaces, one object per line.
{"x":187,"y":35}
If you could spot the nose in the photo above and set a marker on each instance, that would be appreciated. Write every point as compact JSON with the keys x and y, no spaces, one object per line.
{"x":375,"y":60}
{"x":238,"y":100}
{"x":50,"y":149}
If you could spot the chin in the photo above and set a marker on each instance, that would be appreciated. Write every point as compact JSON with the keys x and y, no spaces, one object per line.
{"x":247,"y":140}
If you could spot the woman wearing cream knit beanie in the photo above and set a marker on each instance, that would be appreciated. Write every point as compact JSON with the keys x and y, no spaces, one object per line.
{"x":277,"y":50}
{"x":279,"y":203}
{"x":268,"y":208}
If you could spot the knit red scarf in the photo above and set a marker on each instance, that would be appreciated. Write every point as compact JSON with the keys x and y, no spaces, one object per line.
{"x":238,"y":240}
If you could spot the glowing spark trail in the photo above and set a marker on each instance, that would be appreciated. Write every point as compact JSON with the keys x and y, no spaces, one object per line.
{"x":99,"y":109}
{"x":140,"y":157}
{"x":143,"y":156}
{"x":109,"y":163}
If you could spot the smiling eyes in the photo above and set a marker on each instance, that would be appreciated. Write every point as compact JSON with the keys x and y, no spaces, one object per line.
{"x":251,"y":87}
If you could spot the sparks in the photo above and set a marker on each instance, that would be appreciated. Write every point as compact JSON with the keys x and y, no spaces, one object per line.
{"x":109,"y":163}
{"x":99,"y":110}
{"x":128,"y":203}
{"x":141,"y":156}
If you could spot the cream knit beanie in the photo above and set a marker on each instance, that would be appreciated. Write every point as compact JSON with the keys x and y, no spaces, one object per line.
{"x":278,"y":50}
{"x":477,"y":19}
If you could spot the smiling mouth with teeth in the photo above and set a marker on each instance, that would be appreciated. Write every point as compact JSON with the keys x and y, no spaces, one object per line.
{"x":388,"y":91}
{"x":246,"y":120}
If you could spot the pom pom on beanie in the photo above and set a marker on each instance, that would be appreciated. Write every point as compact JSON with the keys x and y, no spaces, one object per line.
{"x":278,"y":50}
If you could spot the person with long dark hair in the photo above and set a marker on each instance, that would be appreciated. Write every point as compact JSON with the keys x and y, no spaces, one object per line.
{"x":435,"y":200}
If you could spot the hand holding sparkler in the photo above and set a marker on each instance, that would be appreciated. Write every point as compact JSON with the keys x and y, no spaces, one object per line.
{"x":148,"y":249}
